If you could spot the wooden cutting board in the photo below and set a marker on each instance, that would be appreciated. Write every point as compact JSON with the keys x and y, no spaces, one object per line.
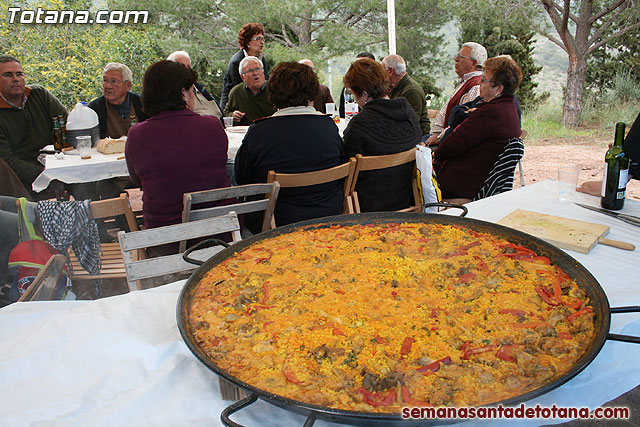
{"x":579,"y":236}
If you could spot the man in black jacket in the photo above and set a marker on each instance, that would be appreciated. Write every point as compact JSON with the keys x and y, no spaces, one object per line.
{"x":117,"y":108}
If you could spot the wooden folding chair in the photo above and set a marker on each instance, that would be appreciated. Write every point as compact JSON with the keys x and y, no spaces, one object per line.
{"x":44,"y":285}
{"x":344,"y":171}
{"x":112,"y":261}
{"x":155,"y":267}
{"x":369,"y":163}
{"x":268,"y":204}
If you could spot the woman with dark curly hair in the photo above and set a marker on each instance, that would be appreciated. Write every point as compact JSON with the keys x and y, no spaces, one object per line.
{"x":468,"y":154}
{"x":296,"y":138}
{"x":383,"y":126}
{"x":251,"y":40}
{"x":175,"y":151}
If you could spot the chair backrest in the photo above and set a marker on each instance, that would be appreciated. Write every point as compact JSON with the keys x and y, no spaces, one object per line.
{"x":500,"y":178}
{"x":110,"y":208}
{"x":267,"y":204}
{"x":344,"y":171}
{"x":43,"y":286}
{"x":160,"y":266}
{"x":523,"y":135}
{"x":368,"y":163}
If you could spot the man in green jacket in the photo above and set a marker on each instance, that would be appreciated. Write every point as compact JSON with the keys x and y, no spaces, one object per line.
{"x":404,"y":86}
{"x":249,"y":100}
{"x":25,"y":120}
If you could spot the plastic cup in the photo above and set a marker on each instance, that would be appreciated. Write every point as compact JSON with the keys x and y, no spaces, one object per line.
{"x":84,"y":146}
{"x":330,"y":108}
{"x":228,"y":122}
{"x":567,"y":183}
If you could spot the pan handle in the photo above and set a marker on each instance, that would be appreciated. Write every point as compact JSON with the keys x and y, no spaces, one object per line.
{"x":200,"y":245}
{"x":448,"y":205}
{"x":240,"y":404}
{"x":624,"y":338}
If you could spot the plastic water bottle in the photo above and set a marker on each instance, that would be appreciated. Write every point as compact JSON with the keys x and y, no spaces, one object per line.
{"x":82,"y":121}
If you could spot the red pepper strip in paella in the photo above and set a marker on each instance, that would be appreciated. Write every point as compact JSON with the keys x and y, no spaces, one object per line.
{"x":470,"y":352}
{"x":435,"y":366}
{"x":545,"y":296}
{"x":378,"y":399}
{"x":573,"y":316}
{"x":506,"y":353}
{"x":469,"y":246}
{"x":406,"y":346}
{"x":408,"y":400}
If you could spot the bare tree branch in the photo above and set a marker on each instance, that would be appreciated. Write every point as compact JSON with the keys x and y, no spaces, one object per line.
{"x":598,"y":34}
{"x":607,"y":10}
{"x":555,"y":40}
{"x":613,"y":36}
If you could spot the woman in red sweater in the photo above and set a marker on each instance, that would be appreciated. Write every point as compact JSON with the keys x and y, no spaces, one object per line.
{"x":468,"y":154}
{"x":176,"y":151}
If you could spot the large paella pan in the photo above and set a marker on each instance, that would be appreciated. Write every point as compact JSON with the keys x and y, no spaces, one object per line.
{"x":377,"y":394}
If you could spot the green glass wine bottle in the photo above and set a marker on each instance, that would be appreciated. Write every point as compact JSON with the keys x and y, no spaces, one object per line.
{"x":616,"y":173}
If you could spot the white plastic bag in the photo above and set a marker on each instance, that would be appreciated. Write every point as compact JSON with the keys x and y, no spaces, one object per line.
{"x":427,"y":184}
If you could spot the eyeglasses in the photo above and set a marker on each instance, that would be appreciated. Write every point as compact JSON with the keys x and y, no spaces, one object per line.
{"x":17,"y":74}
{"x":459,"y":56}
{"x":252,"y":70}
{"x":113,"y":82}
{"x":485,"y":80}
{"x":258,"y":39}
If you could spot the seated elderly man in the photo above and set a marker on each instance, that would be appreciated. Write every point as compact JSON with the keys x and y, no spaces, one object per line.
{"x":204,"y":103}
{"x":404,"y":86}
{"x":468,"y":66}
{"x":324,"y":94}
{"x":25,"y":121}
{"x":249,"y":100}
{"x":118,"y":108}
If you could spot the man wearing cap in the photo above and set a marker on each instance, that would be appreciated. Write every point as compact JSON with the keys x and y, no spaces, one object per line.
{"x":468,"y":65}
{"x":117,"y":108}
{"x":25,"y":120}
{"x":404,"y":86}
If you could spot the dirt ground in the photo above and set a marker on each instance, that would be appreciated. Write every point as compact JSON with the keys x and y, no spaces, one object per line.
{"x":542,"y":158}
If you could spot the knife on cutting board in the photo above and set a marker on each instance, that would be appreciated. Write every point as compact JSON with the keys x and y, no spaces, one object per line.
{"x":566,"y":233}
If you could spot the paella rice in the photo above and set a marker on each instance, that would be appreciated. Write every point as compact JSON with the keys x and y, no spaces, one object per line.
{"x":378,"y":317}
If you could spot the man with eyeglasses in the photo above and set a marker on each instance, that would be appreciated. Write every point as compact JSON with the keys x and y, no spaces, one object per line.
{"x":25,"y":121}
{"x":249,"y":100}
{"x":468,"y":66}
{"x":117,"y":108}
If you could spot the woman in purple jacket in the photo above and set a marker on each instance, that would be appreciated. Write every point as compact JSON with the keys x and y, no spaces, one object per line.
{"x":176,"y":151}
{"x":468,"y":154}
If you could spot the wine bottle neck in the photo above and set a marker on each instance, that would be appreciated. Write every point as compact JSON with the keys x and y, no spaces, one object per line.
{"x":619,"y":134}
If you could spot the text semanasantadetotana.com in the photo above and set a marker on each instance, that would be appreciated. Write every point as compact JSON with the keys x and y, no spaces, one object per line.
{"x":519,"y":412}
{"x":43,"y":16}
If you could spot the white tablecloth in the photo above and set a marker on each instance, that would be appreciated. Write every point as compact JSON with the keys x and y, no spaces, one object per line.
{"x":71,"y":169}
{"x":121,"y":360}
